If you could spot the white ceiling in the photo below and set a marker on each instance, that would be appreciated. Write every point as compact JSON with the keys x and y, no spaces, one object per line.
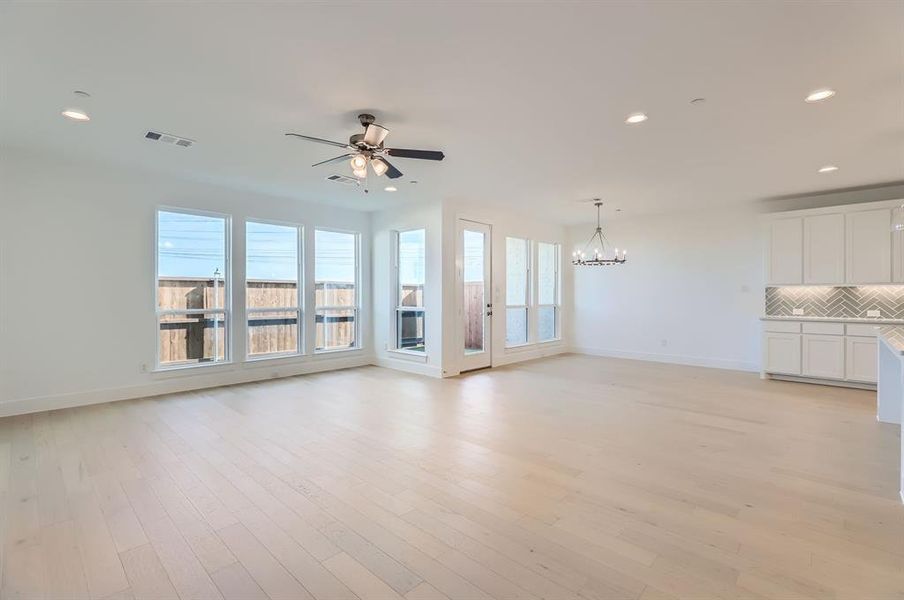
{"x":527,"y":100}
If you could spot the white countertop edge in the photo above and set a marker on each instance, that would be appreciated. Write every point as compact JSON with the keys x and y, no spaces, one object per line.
{"x":834,"y":319}
{"x":893,"y":338}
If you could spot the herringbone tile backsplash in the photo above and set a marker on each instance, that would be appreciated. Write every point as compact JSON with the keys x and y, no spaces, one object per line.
{"x":836,"y":302}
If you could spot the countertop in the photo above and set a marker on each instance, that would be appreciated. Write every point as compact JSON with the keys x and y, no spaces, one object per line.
{"x":834,"y":319}
{"x":893,"y":336}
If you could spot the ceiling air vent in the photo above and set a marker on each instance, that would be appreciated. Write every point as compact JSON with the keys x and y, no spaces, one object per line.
{"x":166,"y":138}
{"x":343,"y":179}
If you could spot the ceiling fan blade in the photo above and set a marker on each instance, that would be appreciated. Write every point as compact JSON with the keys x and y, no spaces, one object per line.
{"x":391,"y":172}
{"x":331,"y":160}
{"x":321,"y":140}
{"x":375,"y":134}
{"x":422,"y":154}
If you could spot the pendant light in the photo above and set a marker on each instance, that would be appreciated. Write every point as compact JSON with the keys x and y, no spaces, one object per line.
{"x":596,"y":252}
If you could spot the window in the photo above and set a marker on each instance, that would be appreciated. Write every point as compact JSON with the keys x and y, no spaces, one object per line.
{"x":517,"y":290}
{"x":547,"y":291}
{"x":192,"y":288}
{"x":411,"y":248}
{"x":272,"y":291}
{"x":335,"y":290}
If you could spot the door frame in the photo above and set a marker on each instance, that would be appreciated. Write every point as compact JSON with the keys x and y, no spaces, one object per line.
{"x":484,"y":359}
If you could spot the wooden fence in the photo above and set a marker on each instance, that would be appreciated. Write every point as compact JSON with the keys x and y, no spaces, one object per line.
{"x":198,"y":337}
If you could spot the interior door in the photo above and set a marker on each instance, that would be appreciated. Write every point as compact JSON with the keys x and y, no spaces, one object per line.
{"x":475,"y":293}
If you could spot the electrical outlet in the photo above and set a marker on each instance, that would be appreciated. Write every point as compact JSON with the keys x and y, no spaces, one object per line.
{"x":663,"y":343}
{"x":874,"y":313}
{"x":143,"y":368}
{"x":797,"y":312}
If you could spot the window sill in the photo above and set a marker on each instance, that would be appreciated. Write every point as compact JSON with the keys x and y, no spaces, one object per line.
{"x":274,"y":356}
{"x":520,"y":346}
{"x":336,"y":351}
{"x":188,"y":368}
{"x":408,"y":355}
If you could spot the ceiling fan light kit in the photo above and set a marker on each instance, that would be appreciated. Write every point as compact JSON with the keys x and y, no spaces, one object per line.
{"x":367,"y":149}
{"x":599,"y":256}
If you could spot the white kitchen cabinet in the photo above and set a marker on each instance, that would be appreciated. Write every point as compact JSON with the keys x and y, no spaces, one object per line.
{"x":897,"y":245}
{"x":868,"y":246}
{"x":861,"y":359}
{"x":784,"y":263}
{"x":781,"y":353}
{"x":823,"y":244}
{"x":823,"y":356}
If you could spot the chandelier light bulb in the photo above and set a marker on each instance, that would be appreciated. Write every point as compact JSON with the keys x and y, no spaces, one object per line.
{"x":358,"y":162}
{"x":360,"y":173}
{"x":380,"y":166}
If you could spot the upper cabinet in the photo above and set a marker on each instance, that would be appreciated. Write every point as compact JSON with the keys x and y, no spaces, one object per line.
{"x":824,"y":249}
{"x":844,"y":245}
{"x":784,"y":261}
{"x":869,"y":246}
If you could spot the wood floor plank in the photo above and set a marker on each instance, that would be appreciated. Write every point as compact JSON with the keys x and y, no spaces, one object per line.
{"x":364,"y":583}
{"x":236,"y":584}
{"x":147,"y":577}
{"x":269,"y":574}
{"x":65,"y":573}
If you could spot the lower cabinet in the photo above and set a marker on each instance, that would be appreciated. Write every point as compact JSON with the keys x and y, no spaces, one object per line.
{"x":862,"y":357}
{"x":782,"y":353}
{"x":823,"y":356}
{"x":821,"y":350}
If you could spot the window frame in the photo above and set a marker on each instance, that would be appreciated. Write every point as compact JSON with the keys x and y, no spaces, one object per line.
{"x":300,"y":295}
{"x":357,"y":306}
{"x":557,"y":293}
{"x":528,"y":292}
{"x":227,"y":292}
{"x":397,"y":307}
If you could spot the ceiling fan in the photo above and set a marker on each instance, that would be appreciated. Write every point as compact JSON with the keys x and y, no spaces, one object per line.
{"x":367,"y":149}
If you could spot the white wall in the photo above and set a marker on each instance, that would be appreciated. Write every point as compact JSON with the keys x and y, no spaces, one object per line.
{"x":421,"y":214}
{"x":691,"y":291}
{"x":504,"y":224}
{"x":77,"y":295}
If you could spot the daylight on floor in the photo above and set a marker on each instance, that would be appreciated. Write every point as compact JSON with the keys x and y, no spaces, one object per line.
{"x":449,"y":300}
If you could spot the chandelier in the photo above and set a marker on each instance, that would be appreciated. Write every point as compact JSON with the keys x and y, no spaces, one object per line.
{"x":599,"y":255}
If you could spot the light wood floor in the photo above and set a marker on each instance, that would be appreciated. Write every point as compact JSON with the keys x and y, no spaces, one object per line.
{"x":571,"y":477}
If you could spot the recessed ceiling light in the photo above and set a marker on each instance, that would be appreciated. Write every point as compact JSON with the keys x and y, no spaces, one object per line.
{"x":391,"y":188}
{"x":75,"y":114}
{"x":820,"y":95}
{"x":637,"y":117}
{"x":828,"y":169}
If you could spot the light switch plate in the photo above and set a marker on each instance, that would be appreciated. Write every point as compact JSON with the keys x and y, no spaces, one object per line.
{"x":797,"y":312}
{"x":874,"y":313}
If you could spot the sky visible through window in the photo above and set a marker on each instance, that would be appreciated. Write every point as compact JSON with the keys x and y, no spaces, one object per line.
{"x":195,"y":246}
{"x":411,"y":257}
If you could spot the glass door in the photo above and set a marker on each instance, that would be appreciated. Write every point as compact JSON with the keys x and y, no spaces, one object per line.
{"x":476,"y":308}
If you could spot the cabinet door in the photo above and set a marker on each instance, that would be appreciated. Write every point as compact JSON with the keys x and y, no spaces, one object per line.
{"x":897,"y":245}
{"x":782,"y":353}
{"x":861,"y":359}
{"x":784,"y":263}
{"x":823,"y":356}
{"x":824,"y":249}
{"x":869,"y":246}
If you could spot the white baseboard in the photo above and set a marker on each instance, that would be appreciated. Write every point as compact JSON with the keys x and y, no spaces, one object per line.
{"x":184,"y":381}
{"x":677,"y":359}
{"x":408,"y":366}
